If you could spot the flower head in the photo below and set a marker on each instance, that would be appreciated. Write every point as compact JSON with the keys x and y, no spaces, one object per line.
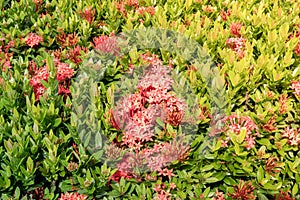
{"x":118,"y":175}
{"x":88,"y":14}
{"x":142,"y":10}
{"x":243,"y":191}
{"x":283,"y":196}
{"x":296,"y":87}
{"x":225,"y":14}
{"x":235,"y":124}
{"x":237,"y":45}
{"x":33,"y":40}
{"x":235,"y":29}
{"x":35,"y":81}
{"x":106,"y":44}
{"x":219,"y":196}
{"x":72,"y":196}
{"x":292,"y":135}
{"x":64,"y":72}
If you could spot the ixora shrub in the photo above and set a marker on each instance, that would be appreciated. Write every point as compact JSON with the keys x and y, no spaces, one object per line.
{"x":87,"y":112}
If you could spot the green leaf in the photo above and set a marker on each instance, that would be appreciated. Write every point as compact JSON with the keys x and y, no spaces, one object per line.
{"x":206,"y":192}
{"x":262,"y":196}
{"x":295,"y":189}
{"x":241,"y":137}
{"x":272,"y":186}
{"x":230,"y":181}
{"x":211,"y":180}
{"x":98,"y":140}
{"x":217,"y":146}
{"x":29,"y":164}
{"x":237,"y":149}
{"x":57,"y":122}
{"x":17,"y":193}
{"x":207,"y":168}
{"x":260,"y":174}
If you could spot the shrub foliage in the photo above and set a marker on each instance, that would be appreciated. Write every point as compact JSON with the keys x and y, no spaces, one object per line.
{"x":254,"y":155}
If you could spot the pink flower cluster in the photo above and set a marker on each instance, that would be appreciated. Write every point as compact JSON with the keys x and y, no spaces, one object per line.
{"x":64,"y":72}
{"x":237,"y":44}
{"x":121,"y":6}
{"x":162,"y":193}
{"x":106,"y":44}
{"x":296,"y":87}
{"x":75,"y":54}
{"x":235,"y":123}
{"x":5,"y":56}
{"x":224,"y":14}
{"x":88,"y":14}
{"x":63,"y":75}
{"x":136,"y":114}
{"x":155,"y":159}
{"x":72,"y":196}
{"x":235,"y":29}
{"x":35,"y":81}
{"x":124,"y":5}
{"x":292,"y":135}
{"x":219,"y":196}
{"x":142,"y":10}
{"x":33,"y":40}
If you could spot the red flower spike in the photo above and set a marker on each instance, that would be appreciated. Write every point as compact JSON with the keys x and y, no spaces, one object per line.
{"x":244,"y":191}
{"x":235,"y":29}
{"x":225,"y":14}
{"x":283,"y":196}
{"x":88,"y":14}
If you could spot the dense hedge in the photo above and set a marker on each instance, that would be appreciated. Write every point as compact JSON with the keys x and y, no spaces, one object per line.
{"x":254,"y":155}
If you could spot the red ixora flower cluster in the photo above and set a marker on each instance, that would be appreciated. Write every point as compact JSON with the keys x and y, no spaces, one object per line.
{"x":224,"y":14}
{"x":237,"y":44}
{"x":292,"y":135}
{"x":235,"y":124}
{"x":244,"y":191}
{"x":106,"y":44}
{"x":36,"y":81}
{"x":72,"y":196}
{"x":142,"y":10}
{"x":296,"y":87}
{"x":136,"y":114}
{"x":235,"y":29}
{"x":33,"y":40}
{"x":5,"y":55}
{"x":296,"y":34}
{"x":88,"y":14}
{"x":123,"y":5}
{"x":283,"y":196}
{"x":219,"y":196}
{"x":63,"y":75}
